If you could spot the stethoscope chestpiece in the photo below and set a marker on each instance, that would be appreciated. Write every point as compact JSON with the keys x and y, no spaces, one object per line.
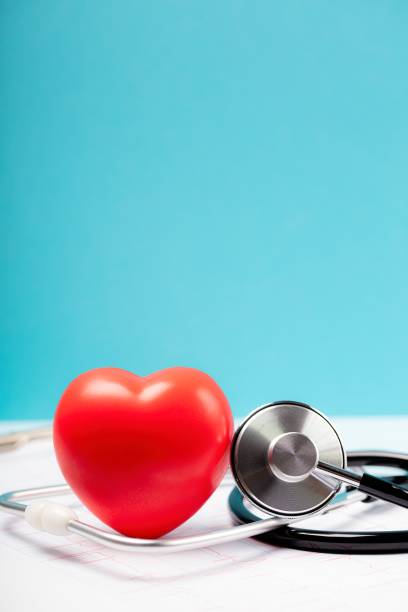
{"x":274,"y":455}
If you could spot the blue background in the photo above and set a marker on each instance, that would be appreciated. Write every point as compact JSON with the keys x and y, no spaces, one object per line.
{"x":215,"y":184}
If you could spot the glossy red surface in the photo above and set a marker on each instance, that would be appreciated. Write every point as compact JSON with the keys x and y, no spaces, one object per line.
{"x":143,"y":453}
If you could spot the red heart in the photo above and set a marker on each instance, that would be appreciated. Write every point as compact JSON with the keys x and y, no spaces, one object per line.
{"x":143,"y":453}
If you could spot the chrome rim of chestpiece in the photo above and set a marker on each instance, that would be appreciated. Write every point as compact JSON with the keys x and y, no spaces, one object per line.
{"x":274,"y":455}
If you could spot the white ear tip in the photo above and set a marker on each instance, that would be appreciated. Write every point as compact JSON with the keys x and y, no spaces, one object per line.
{"x":50,"y":517}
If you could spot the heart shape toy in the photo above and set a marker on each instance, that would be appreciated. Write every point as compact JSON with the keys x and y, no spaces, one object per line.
{"x":143,"y":453}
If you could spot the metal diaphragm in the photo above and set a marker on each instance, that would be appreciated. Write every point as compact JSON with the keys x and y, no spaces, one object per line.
{"x":274,"y":453}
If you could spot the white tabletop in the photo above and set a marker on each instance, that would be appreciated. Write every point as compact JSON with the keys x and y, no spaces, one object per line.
{"x":43,"y":572}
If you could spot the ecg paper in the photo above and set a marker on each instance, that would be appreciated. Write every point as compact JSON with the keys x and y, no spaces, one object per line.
{"x":41,"y":572}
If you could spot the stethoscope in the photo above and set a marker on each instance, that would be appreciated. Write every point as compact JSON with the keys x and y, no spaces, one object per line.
{"x":288,"y":463}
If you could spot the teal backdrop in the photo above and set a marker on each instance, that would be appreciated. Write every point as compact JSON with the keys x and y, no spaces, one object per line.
{"x":220,"y":184}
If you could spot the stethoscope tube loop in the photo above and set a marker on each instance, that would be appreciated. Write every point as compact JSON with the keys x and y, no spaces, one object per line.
{"x":333,"y":541}
{"x":272,"y":530}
